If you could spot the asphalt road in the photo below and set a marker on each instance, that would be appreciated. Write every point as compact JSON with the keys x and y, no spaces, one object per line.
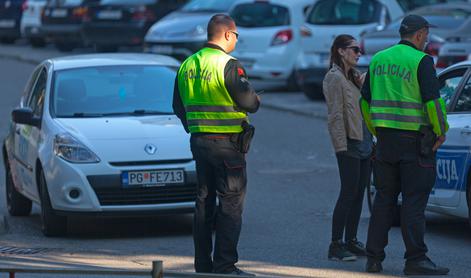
{"x":293,"y":185}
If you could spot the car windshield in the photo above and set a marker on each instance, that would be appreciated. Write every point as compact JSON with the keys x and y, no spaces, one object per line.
{"x":207,"y":6}
{"x":342,"y":12}
{"x":451,"y":19}
{"x":260,"y":14}
{"x":408,"y":5}
{"x":113,"y":91}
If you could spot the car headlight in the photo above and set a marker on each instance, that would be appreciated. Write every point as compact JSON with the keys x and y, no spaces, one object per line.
{"x":72,"y":150}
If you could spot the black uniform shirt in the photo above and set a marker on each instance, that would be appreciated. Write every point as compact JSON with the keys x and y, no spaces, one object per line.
{"x":237,"y":84}
{"x":426,"y":75}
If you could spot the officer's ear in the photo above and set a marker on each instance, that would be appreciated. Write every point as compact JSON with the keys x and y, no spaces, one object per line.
{"x":227,"y":35}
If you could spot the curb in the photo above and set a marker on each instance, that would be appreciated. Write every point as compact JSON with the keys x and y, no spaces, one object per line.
{"x":19,"y":58}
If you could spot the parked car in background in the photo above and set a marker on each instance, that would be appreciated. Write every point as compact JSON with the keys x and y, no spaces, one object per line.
{"x":65,"y":150}
{"x":113,"y":23}
{"x":451,"y":194}
{"x":455,"y":49}
{"x":62,"y":22}
{"x":183,"y":32}
{"x":31,"y":26}
{"x":329,"y":18}
{"x":449,"y":19}
{"x":270,"y":38}
{"x":10,"y":17}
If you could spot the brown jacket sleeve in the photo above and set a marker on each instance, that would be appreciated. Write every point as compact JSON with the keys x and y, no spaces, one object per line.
{"x":332,"y":89}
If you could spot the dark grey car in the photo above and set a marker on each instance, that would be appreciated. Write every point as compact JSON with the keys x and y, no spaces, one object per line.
{"x":449,"y":19}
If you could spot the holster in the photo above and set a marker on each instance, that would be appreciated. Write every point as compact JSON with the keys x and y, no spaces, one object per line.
{"x":245,"y":137}
{"x":426,"y":141}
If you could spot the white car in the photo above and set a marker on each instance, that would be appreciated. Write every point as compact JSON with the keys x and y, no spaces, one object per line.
{"x":270,"y":38}
{"x":30,"y":24}
{"x":96,"y":135}
{"x":452,"y":191}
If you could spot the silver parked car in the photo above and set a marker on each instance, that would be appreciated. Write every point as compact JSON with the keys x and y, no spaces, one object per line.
{"x":447,"y":17}
{"x":183,"y":32}
{"x":455,"y":49}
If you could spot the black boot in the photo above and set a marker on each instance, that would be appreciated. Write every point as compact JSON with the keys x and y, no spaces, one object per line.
{"x":424,"y":267}
{"x":338,"y":251}
{"x":373,"y":266}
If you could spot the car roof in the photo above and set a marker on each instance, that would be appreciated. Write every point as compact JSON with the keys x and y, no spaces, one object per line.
{"x":442,"y":7}
{"x":119,"y":59}
{"x":289,"y":3}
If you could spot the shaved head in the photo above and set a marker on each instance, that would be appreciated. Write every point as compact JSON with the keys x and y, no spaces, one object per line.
{"x":218,"y":24}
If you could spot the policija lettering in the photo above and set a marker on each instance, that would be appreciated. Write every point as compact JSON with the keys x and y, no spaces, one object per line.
{"x":198,"y":74}
{"x":393,"y":69}
{"x":446,"y":170}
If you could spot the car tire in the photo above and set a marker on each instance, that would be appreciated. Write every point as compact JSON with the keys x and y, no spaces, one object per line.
{"x":292,"y":84}
{"x":37,"y":42}
{"x":313,"y":92}
{"x":17,"y":204}
{"x":64,"y":46}
{"x":52,"y":224}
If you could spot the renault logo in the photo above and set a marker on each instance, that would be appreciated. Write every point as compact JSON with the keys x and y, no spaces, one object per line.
{"x":150,"y":149}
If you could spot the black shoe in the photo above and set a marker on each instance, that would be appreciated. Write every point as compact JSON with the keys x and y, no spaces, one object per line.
{"x":424,"y":267}
{"x":240,"y":272}
{"x":356,"y":247}
{"x":338,"y":252}
{"x":373,"y":266}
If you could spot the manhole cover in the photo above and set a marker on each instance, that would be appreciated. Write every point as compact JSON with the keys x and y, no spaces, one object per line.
{"x":21,"y":251}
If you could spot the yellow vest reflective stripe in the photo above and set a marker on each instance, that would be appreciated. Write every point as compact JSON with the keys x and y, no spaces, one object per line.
{"x":208,"y":105}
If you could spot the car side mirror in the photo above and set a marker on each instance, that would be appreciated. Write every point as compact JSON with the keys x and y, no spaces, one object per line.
{"x":25,"y":116}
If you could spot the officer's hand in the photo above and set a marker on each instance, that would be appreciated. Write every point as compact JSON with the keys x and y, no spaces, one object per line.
{"x":439,"y":142}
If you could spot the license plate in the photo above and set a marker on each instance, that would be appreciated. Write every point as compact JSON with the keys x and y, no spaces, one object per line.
{"x":59,"y":13}
{"x":152,"y":178}
{"x":7,"y":23}
{"x":109,"y":15}
{"x":162,"y":49}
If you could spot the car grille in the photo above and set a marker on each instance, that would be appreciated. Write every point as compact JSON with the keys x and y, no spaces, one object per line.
{"x":110,"y":193}
{"x":150,"y":162}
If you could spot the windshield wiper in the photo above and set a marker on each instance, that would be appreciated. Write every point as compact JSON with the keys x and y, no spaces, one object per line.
{"x":86,"y":115}
{"x":138,"y":112}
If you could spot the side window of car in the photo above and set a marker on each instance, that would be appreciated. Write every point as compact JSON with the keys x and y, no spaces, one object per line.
{"x":36,"y":101}
{"x":463,"y":103}
{"x":27,"y":92}
{"x":449,"y":84}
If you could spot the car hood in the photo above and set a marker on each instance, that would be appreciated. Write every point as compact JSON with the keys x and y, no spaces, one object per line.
{"x":125,"y":138}
{"x":180,"y":26}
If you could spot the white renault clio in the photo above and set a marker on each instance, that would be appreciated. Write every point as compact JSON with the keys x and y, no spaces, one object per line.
{"x":96,"y":135}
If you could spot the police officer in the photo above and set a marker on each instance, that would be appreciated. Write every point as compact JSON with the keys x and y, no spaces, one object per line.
{"x":402,"y":107}
{"x":212,"y":97}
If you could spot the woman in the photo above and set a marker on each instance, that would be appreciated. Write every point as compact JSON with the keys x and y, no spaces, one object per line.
{"x":352,"y":143}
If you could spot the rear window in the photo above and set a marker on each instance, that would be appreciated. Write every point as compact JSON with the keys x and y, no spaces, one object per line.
{"x":342,"y":12}
{"x":108,"y":90}
{"x":260,"y":15}
{"x":127,"y":2}
{"x":208,"y":6}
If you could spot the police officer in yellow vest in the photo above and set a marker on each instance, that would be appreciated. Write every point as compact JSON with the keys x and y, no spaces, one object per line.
{"x":212,"y":97}
{"x":401,"y":105}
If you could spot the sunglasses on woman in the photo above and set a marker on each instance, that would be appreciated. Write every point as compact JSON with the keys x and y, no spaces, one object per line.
{"x":355,"y":49}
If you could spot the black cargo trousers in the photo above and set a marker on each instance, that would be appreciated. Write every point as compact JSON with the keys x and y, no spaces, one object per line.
{"x":221,"y":172}
{"x":399,"y":168}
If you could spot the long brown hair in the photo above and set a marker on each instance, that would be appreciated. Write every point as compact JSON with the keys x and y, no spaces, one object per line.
{"x":343,"y":41}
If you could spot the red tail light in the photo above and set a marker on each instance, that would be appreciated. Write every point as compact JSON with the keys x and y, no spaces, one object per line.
{"x":446,"y":61}
{"x":282,"y":37}
{"x":79,"y":12}
{"x":433,"y":48}
{"x":24,"y":6}
{"x":143,"y":13}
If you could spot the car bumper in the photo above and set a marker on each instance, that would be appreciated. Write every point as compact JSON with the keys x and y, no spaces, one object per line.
{"x":61,"y":33}
{"x":114,"y":34}
{"x":178,"y":50}
{"x":33,"y":32}
{"x":100,"y":191}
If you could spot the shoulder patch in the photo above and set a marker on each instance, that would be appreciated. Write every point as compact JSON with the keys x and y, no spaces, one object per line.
{"x":240,"y":71}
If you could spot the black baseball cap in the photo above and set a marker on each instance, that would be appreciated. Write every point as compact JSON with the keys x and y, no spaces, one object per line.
{"x":413,"y":23}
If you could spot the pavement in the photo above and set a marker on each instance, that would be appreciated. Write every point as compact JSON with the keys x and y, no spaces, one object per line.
{"x":273,"y":98}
